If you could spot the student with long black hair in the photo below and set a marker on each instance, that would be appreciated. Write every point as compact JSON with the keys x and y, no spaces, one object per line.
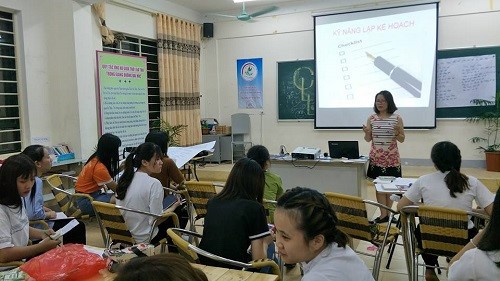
{"x":138,"y":190}
{"x":34,"y":203}
{"x":236,"y":219}
{"x":170,"y":176}
{"x":98,"y":172}
{"x":448,"y":188}
{"x":17,"y":177}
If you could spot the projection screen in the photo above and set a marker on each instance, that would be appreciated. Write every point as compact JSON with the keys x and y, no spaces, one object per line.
{"x":359,"y":54}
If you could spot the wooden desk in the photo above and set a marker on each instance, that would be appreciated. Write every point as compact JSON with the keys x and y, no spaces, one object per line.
{"x":334,"y":175}
{"x":220,"y":273}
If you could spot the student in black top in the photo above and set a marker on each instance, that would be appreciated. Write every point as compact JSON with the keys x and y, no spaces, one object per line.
{"x":236,"y":218}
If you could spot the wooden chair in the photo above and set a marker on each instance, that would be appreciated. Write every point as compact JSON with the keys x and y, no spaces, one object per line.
{"x":112,"y":222}
{"x":191,"y":252}
{"x":198,"y":194}
{"x":444,"y":232}
{"x":353,"y":220}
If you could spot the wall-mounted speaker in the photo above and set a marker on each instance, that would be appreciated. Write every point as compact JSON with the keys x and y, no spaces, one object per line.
{"x":208,"y":30}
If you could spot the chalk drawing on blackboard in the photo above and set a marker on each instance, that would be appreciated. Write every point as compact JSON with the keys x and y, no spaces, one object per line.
{"x":296,"y":90}
{"x":461,"y":79}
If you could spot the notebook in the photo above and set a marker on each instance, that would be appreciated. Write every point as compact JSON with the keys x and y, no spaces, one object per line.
{"x":347,"y":149}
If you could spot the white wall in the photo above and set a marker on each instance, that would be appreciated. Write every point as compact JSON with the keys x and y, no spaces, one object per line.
{"x":290,"y":37}
{"x":49,"y":72}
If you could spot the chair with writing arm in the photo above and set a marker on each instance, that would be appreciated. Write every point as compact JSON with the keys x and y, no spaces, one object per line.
{"x":111,"y":221}
{"x":444,"y":232}
{"x":198,"y":194}
{"x":66,"y":198}
{"x":192,"y":253}
{"x":353,"y":221}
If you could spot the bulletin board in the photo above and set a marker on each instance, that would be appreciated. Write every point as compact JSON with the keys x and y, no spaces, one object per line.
{"x":123,"y":97}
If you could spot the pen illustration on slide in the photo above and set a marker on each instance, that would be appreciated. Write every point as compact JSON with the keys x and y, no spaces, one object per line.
{"x":362,"y":57}
{"x":296,"y":90}
{"x":398,"y":75}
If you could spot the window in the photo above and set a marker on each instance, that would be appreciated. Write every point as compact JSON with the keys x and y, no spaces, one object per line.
{"x":10,"y":118}
{"x":146,"y":48}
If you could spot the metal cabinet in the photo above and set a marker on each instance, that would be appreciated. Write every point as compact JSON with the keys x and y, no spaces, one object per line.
{"x":222,"y":149}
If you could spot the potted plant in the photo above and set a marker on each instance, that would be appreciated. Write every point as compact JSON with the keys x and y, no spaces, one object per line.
{"x":205,"y":129}
{"x":173,"y":131}
{"x":491,"y":121}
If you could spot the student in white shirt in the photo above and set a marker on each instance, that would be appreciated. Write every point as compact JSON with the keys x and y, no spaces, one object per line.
{"x":17,"y":177}
{"x":480,"y":258}
{"x":138,"y":190}
{"x":448,"y":188}
{"x":306,"y":232}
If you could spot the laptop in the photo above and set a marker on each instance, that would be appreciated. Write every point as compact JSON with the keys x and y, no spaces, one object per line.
{"x":347,"y":149}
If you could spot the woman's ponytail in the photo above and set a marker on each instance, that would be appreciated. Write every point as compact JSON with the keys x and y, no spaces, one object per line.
{"x":127,"y":176}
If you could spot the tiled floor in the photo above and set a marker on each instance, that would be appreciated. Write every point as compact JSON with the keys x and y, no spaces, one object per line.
{"x":216,"y":172}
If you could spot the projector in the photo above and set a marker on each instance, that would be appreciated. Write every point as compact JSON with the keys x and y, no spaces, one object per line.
{"x":306,"y":153}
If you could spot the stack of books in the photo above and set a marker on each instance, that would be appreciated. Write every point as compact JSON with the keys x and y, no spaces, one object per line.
{"x":62,"y":152}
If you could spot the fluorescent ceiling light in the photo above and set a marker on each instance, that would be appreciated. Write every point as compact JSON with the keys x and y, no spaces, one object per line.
{"x":239,"y":1}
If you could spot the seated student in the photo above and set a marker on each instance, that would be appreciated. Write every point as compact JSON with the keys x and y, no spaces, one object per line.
{"x":274,"y":186}
{"x":480,"y":258}
{"x":236,"y":219}
{"x":169,"y":172}
{"x":170,"y":267}
{"x":306,"y":232}
{"x":98,"y":172}
{"x":34,"y":202}
{"x":17,"y":177}
{"x":447,"y":188}
{"x":138,"y":190}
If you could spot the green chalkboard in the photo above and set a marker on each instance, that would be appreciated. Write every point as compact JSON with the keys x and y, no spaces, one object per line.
{"x":296,"y":90}
{"x":467,"y":111}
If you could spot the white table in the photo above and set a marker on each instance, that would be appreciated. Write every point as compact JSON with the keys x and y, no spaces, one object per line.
{"x":333,"y":175}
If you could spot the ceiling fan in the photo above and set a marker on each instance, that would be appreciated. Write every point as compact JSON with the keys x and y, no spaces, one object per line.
{"x":244,"y":16}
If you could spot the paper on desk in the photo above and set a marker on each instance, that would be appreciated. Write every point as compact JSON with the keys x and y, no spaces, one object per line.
{"x":182,"y":155}
{"x":404,"y":181}
{"x":60,"y":232}
{"x":389,"y":186}
{"x":59,"y":216}
{"x":378,"y":180}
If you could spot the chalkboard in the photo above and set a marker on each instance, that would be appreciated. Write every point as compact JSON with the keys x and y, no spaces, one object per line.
{"x":296,"y":90}
{"x":467,"y":111}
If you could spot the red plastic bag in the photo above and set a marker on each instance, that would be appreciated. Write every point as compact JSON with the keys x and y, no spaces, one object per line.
{"x":68,"y":262}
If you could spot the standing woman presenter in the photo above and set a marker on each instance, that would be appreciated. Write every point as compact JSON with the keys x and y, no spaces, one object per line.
{"x":384,"y":129}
